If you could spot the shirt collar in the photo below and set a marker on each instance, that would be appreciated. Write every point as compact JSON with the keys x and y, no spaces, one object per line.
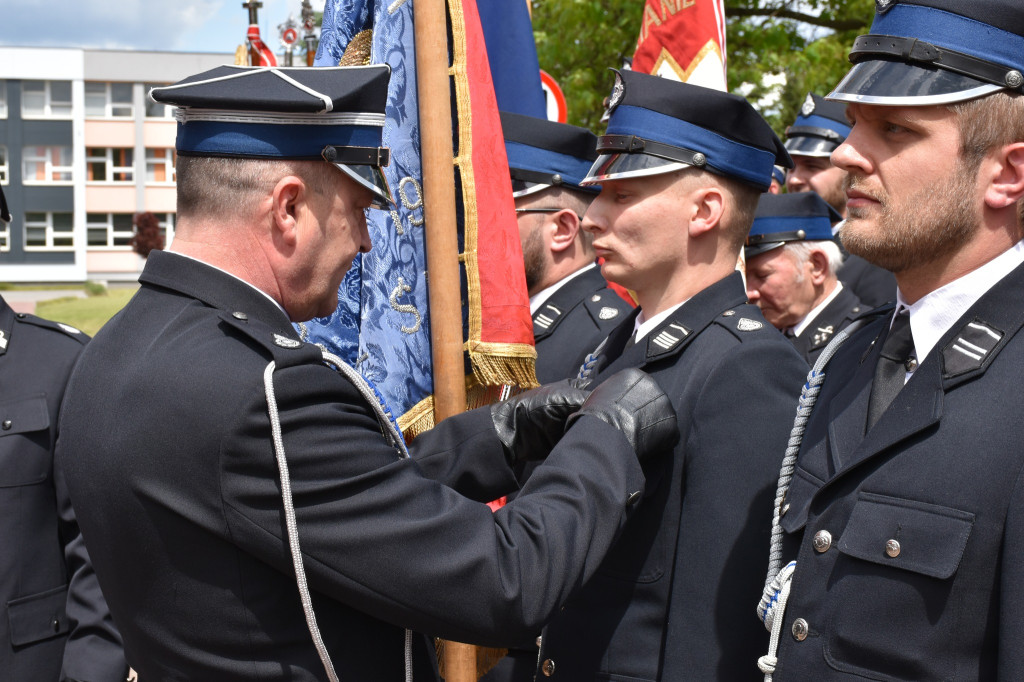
{"x":800,"y":326}
{"x":538,"y":299}
{"x":936,"y":312}
{"x":642,"y":326}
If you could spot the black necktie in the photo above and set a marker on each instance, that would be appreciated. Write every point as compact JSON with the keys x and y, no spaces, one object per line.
{"x":891,"y":370}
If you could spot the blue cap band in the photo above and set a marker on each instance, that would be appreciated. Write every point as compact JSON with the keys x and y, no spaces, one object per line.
{"x":953,"y":32}
{"x":822,"y":122}
{"x":273,"y":141}
{"x":817,"y":228}
{"x":525,"y":157}
{"x":724,"y":156}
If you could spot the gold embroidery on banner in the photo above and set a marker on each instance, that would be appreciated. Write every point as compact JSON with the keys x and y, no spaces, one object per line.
{"x":684,"y":74}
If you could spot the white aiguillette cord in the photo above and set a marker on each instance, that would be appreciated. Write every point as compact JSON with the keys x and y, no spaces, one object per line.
{"x":772,"y":608}
{"x":395,"y":439}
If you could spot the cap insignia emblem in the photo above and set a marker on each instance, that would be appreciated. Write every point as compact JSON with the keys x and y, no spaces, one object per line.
{"x":608,"y":313}
{"x":747,"y":325}
{"x":285,"y":342}
{"x":618,"y":93}
{"x":808,"y":107}
{"x":883,"y":6}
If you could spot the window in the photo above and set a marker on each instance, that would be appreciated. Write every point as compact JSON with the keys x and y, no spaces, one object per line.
{"x":166,"y":227}
{"x":109,"y":229}
{"x":110,"y":100}
{"x":5,"y":237}
{"x":49,"y":231}
{"x":160,"y":165}
{"x":156,"y":109}
{"x":104,"y":164}
{"x":46,"y":164}
{"x":3,"y":99}
{"x":47,"y":99}
{"x":4,"y":168}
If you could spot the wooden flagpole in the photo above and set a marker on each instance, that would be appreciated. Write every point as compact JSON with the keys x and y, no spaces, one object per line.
{"x":442,"y":245}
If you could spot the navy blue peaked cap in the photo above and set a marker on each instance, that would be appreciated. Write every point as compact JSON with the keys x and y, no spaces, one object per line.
{"x":544,"y":153}
{"x":820,"y":127}
{"x":334,"y":114}
{"x":781,"y":218}
{"x":925,"y":52}
{"x":657,"y":125}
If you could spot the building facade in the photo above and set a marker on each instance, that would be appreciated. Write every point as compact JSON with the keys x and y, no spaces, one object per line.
{"x":82,"y":150}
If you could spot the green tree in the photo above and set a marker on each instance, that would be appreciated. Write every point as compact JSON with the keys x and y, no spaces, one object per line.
{"x":807,"y":40}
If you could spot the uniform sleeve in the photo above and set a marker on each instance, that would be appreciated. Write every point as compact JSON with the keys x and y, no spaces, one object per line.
{"x":381,"y":536}
{"x":1011,"y":593}
{"x":94,"y":650}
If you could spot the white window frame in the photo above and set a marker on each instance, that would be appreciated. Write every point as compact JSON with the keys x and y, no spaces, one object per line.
{"x":153,"y":162}
{"x":167,"y":109}
{"x":111,"y":109}
{"x":166,"y":222}
{"x":5,"y":237}
{"x":50,"y":105}
{"x":28,"y":156}
{"x":3,"y":98}
{"x":5,"y":165}
{"x":105,"y":221}
{"x":110,"y":167}
{"x":52,"y":234}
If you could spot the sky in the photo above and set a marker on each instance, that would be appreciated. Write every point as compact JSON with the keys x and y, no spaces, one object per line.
{"x":160,"y":25}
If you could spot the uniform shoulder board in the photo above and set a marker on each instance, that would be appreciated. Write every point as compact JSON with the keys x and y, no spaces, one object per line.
{"x":606,"y":308}
{"x":283,"y":346}
{"x":744,"y":321}
{"x":65,"y":329}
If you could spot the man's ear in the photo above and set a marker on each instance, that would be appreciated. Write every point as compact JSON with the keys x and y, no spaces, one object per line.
{"x":707,"y":210}
{"x":287,"y":198}
{"x":566,"y":227}
{"x":1007,"y":185}
{"x":819,"y":266}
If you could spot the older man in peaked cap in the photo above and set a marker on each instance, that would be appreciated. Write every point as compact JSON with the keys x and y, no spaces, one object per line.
{"x":252,"y":509}
{"x":817,"y":131}
{"x":792,"y":261}
{"x":905,"y":513}
{"x":681,"y":169}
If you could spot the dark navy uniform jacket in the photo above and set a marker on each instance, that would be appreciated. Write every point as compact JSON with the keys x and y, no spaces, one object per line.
{"x":572,"y":323}
{"x":873,"y":285}
{"x":671,"y":601}
{"x":176,"y":484}
{"x":44,"y":636}
{"x":921,"y":575}
{"x":837,"y":315}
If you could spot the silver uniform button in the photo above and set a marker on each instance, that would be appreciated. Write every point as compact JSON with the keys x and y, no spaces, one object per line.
{"x":596,"y":298}
{"x":540,"y":640}
{"x":547,"y":667}
{"x":892,"y":548}
{"x":822,"y":541}
{"x":800,"y":629}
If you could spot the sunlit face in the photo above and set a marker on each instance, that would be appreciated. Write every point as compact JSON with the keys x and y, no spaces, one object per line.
{"x":781,"y":286}
{"x":910,"y":200}
{"x":334,"y":233}
{"x":817,"y":174}
{"x":640,"y":230}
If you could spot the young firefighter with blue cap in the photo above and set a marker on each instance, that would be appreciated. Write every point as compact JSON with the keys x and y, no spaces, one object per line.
{"x":251,"y":508}
{"x":681,"y":169}
{"x":573,"y":309}
{"x":817,"y":131}
{"x":792,"y":261}
{"x":904,"y":516}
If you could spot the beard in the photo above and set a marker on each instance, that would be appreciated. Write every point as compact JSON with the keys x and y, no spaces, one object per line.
{"x":928,"y":225}
{"x":533,"y":261}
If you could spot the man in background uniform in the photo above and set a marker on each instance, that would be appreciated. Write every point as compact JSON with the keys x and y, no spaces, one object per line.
{"x":681,"y":168}
{"x":237,"y":490}
{"x":55,"y":624}
{"x":818,"y":130}
{"x":905,"y":513}
{"x":573,"y":309}
{"x":792,"y":261}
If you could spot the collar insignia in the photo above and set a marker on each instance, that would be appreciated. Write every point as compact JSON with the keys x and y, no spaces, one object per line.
{"x":970,"y":348}
{"x":670,"y":337}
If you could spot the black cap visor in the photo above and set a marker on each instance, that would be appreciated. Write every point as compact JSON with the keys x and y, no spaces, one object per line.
{"x":896,"y":83}
{"x":757,"y":249}
{"x":372,"y":178}
{"x":621,"y":166}
{"x":800,"y":145}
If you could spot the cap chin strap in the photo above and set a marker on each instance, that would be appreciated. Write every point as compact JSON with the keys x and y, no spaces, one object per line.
{"x":394,"y":437}
{"x":772,"y":608}
{"x":921,"y":53}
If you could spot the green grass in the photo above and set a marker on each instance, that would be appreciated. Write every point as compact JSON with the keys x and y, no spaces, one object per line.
{"x":88,"y":314}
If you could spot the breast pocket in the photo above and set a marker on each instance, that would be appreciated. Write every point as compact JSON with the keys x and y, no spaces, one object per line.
{"x":895,"y":578}
{"x":25,"y":447}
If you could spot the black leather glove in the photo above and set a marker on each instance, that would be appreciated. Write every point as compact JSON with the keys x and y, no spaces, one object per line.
{"x":632,"y":402}
{"x":529,"y":424}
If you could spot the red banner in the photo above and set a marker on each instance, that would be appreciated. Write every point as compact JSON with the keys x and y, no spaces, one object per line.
{"x":683,"y":40}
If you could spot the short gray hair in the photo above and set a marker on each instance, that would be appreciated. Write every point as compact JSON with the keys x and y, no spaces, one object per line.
{"x":801,"y":252}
